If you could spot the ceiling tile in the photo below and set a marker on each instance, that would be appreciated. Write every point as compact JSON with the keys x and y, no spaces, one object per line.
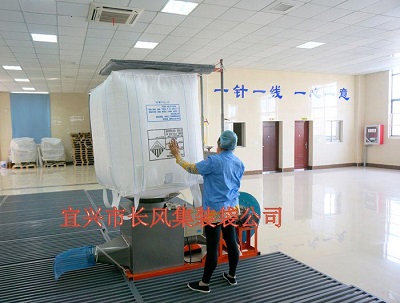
{"x":196,"y":22}
{"x":168,"y":19}
{"x":236,"y":14}
{"x":185,"y":31}
{"x":308,"y":10}
{"x":246,"y":28}
{"x":269,"y":31}
{"x":331,"y":27}
{"x":354,"y":18}
{"x":72,"y":21}
{"x":159,"y":29}
{"x":8,"y":15}
{"x":12,"y":27}
{"x":211,"y":34}
{"x":208,"y":11}
{"x":40,"y":18}
{"x":376,"y":21}
{"x":393,"y":12}
{"x":332,"y":14}
{"x":71,"y":31}
{"x":356,"y":4}
{"x":221,"y":25}
{"x":222,"y":2}
{"x":72,"y":9}
{"x":349,"y":30}
{"x":129,"y":36}
{"x":262,"y":18}
{"x":310,"y":25}
{"x":391,"y":25}
{"x":254,"y":4}
{"x":42,"y":29}
{"x":9,"y":5}
{"x":381,"y":7}
{"x":287,"y":21}
{"x":38,"y":6}
{"x":153,"y":5}
{"x":16,"y":36}
{"x":151,"y":37}
{"x":103,"y":34}
{"x":147,"y":16}
{"x":74,"y":40}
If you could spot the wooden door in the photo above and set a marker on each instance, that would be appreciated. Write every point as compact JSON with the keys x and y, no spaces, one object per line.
{"x":270,"y":146}
{"x":301,"y":145}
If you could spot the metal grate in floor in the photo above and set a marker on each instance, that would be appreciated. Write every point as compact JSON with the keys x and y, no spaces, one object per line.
{"x":27,"y":249}
{"x":272,"y":278}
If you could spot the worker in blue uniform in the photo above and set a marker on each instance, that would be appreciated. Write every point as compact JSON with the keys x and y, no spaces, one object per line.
{"x":222,"y":174}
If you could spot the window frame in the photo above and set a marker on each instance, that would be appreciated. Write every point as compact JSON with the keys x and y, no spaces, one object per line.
{"x":239,"y":128}
{"x":394,"y":73}
{"x":338,"y":138}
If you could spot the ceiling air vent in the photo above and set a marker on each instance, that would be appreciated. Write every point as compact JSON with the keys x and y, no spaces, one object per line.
{"x":283,"y":7}
{"x":114,"y":15}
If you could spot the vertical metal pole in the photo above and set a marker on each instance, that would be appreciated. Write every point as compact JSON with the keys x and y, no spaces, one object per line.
{"x":222,"y":96}
{"x":202,"y":110}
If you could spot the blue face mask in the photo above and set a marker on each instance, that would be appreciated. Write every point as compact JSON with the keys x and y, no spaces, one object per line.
{"x":228,"y":140}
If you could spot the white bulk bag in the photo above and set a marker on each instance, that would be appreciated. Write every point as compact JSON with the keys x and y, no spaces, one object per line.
{"x":134,"y":114}
{"x":52,"y":149}
{"x":23,"y":150}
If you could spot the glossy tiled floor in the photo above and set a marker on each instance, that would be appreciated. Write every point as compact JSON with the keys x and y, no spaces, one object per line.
{"x":343,"y":222}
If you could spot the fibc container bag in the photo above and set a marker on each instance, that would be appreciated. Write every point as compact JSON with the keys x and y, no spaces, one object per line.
{"x":134,"y":115}
{"x":52,"y":149}
{"x":23,"y":150}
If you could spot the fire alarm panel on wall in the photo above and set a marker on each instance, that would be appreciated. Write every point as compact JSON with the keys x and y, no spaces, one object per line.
{"x":373,"y":134}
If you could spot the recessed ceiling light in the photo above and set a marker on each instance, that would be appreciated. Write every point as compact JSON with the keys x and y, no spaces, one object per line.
{"x":28,"y":88}
{"x":12,"y":67}
{"x":310,"y":44}
{"x":22,"y":80}
{"x":44,"y":38}
{"x":148,"y":45}
{"x":179,"y":7}
{"x":52,"y":79}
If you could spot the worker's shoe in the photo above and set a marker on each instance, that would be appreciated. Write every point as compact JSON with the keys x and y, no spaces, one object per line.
{"x":197,"y":287}
{"x":231,"y":280}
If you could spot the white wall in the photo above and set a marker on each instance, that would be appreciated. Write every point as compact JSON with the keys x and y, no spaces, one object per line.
{"x":69,"y":114}
{"x":288,"y":109}
{"x":376,"y":112}
{"x":368,"y":104}
{"x":5,"y":126}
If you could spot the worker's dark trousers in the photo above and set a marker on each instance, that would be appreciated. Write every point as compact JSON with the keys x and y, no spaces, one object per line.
{"x":212,"y":239}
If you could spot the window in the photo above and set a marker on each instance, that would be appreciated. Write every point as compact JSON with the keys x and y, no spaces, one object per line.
{"x":394,"y":120}
{"x":334,"y":131}
{"x":239,"y":128}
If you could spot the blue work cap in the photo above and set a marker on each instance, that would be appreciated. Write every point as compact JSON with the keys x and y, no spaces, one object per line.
{"x":228,"y":140}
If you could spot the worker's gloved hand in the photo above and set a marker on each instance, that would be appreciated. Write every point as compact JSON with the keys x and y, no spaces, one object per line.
{"x":174,"y":147}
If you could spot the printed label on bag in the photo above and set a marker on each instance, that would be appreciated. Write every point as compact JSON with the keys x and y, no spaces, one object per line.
{"x":163,"y":112}
{"x":158,"y":142}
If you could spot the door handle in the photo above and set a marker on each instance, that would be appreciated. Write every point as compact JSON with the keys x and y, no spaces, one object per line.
{"x":306,"y":145}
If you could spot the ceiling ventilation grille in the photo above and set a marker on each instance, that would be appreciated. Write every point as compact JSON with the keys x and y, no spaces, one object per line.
{"x":117,"y":15}
{"x":282,"y":7}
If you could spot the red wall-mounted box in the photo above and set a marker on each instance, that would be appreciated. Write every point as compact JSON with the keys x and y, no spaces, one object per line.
{"x":373,"y":134}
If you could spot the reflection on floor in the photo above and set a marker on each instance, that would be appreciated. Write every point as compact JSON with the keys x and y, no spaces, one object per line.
{"x":343,"y":222}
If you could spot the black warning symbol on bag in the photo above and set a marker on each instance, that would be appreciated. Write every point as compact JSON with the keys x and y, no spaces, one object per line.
{"x":157,"y":149}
